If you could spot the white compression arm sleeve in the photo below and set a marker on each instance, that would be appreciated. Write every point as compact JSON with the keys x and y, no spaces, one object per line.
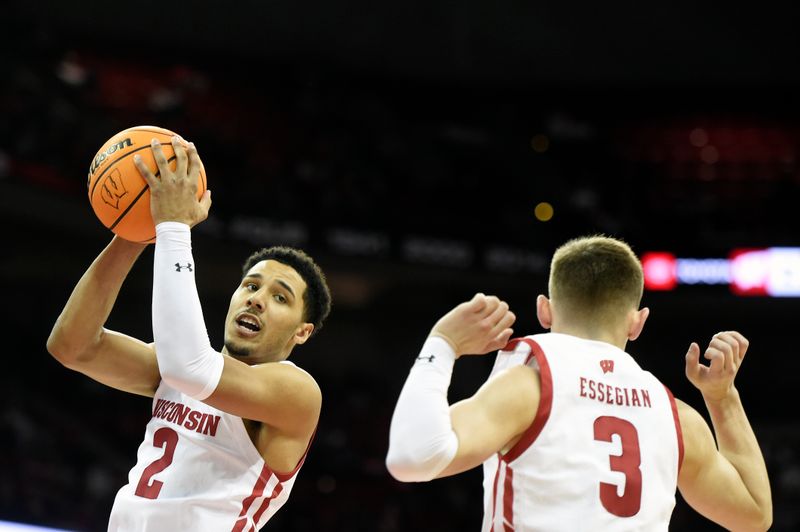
{"x":186,"y":360}
{"x":421,"y":438}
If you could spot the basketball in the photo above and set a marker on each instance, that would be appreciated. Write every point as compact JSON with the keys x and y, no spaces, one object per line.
{"x":119,"y":195}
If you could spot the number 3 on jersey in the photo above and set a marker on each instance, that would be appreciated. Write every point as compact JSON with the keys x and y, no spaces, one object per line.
{"x":628,"y":463}
{"x":168,"y":439}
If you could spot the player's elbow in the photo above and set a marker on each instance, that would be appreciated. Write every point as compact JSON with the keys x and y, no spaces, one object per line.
{"x":761,"y":518}
{"x":69,"y":353}
{"x":758,"y":519}
{"x":404,"y":469}
{"x":197,"y":377}
{"x":763,"y":521}
{"x":420,"y":461}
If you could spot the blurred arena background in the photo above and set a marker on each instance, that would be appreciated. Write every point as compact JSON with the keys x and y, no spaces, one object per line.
{"x":406,"y":146}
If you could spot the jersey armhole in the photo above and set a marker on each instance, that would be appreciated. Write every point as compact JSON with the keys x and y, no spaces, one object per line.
{"x":678,"y":430}
{"x":545,"y":399}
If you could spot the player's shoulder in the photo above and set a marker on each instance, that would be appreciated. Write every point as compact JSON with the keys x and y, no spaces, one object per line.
{"x":688,"y":415}
{"x":291,"y":375}
{"x":520,"y":377}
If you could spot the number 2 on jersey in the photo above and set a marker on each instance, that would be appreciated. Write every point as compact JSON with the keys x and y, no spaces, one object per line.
{"x":168,"y":439}
{"x":628,"y":463}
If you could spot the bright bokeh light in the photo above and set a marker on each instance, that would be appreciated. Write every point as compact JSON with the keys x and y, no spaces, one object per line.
{"x":659,"y":271}
{"x":543,"y":212}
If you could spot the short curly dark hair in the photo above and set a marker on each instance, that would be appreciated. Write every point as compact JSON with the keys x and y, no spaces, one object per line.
{"x":317,"y":299}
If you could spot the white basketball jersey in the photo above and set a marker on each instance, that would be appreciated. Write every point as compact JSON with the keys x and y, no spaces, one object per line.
{"x":603,"y":452}
{"x":197,"y":470}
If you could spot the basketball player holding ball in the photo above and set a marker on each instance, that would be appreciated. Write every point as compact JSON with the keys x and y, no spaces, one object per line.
{"x":231,"y":429}
{"x":572,"y":433}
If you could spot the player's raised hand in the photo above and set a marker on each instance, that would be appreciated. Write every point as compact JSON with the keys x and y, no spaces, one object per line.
{"x":173,"y":194}
{"x":725,"y":353}
{"x":477,"y":326}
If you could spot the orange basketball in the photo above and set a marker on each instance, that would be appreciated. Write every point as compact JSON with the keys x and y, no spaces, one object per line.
{"x":119,"y":195}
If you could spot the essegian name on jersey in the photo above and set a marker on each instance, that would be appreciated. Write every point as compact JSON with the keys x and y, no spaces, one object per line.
{"x":613,"y":395}
{"x":180,"y":414}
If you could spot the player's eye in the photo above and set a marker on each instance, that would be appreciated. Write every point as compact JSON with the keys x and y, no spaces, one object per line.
{"x":251,"y":286}
{"x":280,"y":298}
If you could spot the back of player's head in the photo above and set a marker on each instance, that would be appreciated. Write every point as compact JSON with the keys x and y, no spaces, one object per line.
{"x":317,"y":298}
{"x":596,"y":279}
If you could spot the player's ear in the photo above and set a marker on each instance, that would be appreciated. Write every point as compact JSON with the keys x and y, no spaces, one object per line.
{"x":636,"y":324}
{"x":303,"y":333}
{"x":544,"y":312}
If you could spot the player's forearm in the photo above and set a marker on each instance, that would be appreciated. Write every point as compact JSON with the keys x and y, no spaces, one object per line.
{"x":186,"y":360}
{"x":738,"y":444}
{"x":80,"y":325}
{"x":422,"y":442}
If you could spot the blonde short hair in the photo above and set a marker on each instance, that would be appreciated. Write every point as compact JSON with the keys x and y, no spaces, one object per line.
{"x":596,"y":279}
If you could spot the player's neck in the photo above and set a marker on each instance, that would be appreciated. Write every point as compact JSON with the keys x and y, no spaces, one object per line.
{"x":253,"y":359}
{"x":592,"y":333}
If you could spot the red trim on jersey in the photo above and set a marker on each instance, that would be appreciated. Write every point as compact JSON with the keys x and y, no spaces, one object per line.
{"x":508,"y":500}
{"x":258,"y":491}
{"x":283,"y":477}
{"x":545,"y":399}
{"x":494,"y":491}
{"x":261,"y":483}
{"x":678,"y":429}
{"x":277,"y":491}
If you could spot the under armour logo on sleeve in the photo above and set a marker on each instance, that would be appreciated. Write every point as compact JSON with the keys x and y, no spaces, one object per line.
{"x":178,"y":266}
{"x":429,"y":358}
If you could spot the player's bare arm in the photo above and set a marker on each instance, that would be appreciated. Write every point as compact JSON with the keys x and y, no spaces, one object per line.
{"x":494,"y":418}
{"x":80,"y":341}
{"x":280,"y":395}
{"x":725,"y":481}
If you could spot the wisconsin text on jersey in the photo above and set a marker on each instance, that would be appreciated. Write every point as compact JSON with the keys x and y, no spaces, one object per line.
{"x":180,"y":414}
{"x":614,"y":395}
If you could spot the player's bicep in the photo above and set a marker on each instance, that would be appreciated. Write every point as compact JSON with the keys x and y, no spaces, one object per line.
{"x":121,"y":362}
{"x":280,"y":395}
{"x":707,"y":481}
{"x":493,"y":418}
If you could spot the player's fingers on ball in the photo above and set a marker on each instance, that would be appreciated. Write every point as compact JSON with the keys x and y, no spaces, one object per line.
{"x":180,"y":156}
{"x":161,"y":159}
{"x":194,"y":160}
{"x":145,"y":171}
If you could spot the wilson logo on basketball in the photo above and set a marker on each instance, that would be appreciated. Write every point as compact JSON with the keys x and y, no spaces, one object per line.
{"x":113,"y":189}
{"x":607,"y":366}
{"x":103,"y":155}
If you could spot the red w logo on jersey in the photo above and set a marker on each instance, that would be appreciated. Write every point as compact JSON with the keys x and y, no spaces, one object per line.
{"x":607,"y":366}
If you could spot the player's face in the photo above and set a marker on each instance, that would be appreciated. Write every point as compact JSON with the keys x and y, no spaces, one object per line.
{"x":266,"y":313}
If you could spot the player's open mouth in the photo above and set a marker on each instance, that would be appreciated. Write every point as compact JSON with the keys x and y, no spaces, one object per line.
{"x":247,"y":324}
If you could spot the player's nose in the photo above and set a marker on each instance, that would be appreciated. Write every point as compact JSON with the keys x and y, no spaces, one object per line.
{"x":255,"y":301}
